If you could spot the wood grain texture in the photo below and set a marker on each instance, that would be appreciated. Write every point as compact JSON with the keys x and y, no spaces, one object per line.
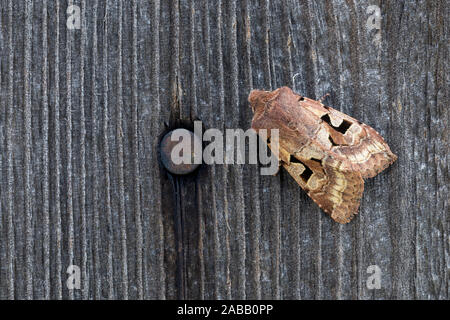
{"x":82,"y":112}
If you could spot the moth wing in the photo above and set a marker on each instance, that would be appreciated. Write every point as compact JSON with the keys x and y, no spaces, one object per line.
{"x":337,"y":192}
{"x":361,"y":145}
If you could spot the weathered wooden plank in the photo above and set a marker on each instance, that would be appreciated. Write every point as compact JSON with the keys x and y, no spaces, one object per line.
{"x":82,"y":112}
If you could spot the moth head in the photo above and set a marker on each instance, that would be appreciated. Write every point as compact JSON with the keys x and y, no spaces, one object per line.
{"x":261,"y":100}
{"x":258,"y":100}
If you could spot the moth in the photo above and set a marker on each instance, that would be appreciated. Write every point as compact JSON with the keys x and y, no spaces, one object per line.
{"x":328,"y":153}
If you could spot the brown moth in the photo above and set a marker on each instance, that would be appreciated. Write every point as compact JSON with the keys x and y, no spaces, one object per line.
{"x":327,"y":152}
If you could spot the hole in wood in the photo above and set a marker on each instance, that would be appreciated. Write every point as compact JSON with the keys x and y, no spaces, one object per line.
{"x":186,"y":141}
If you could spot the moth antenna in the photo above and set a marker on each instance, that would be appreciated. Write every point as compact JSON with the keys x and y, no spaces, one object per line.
{"x":324,"y":97}
{"x":293,"y":81}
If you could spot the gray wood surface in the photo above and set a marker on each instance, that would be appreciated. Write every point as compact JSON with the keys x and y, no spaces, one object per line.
{"x":82,"y":112}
